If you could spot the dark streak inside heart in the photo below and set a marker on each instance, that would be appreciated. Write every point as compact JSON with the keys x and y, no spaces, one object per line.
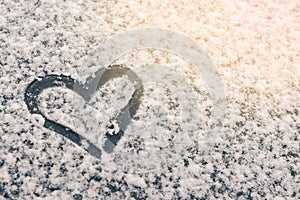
{"x":36,"y":87}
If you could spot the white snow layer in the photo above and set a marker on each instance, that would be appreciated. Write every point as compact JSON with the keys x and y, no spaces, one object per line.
{"x":255,"y":46}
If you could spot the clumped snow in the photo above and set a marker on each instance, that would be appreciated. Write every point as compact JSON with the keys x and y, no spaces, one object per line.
{"x":255,"y":46}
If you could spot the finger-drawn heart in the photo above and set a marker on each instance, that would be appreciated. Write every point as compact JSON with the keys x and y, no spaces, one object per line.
{"x":86,"y":91}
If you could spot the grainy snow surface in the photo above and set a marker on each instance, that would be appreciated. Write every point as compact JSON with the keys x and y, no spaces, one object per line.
{"x":255,"y":46}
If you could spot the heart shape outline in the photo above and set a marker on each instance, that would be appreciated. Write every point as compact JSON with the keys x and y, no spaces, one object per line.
{"x":86,"y":91}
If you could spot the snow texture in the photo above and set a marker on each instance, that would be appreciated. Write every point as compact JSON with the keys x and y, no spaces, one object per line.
{"x":255,"y":46}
